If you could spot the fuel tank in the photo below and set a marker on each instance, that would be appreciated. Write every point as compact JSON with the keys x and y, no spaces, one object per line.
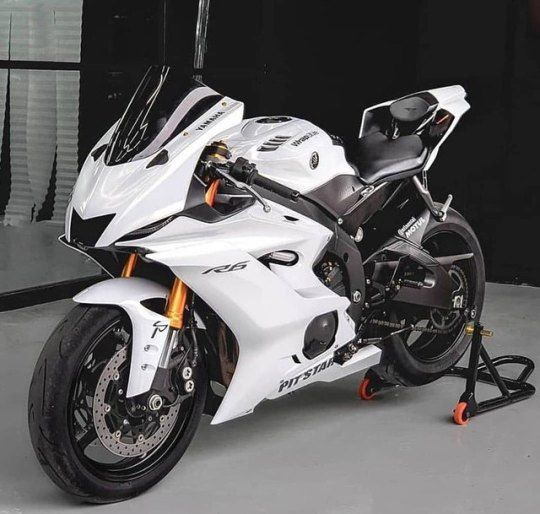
{"x":294,"y":152}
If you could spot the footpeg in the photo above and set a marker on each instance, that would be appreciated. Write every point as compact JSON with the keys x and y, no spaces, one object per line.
{"x":445,"y":207}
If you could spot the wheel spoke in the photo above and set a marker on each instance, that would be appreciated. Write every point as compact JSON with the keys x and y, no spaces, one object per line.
{"x":88,"y":438}
{"x":109,"y":433}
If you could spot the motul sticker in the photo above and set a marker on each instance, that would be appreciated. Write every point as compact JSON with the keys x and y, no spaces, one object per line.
{"x":411,"y":227}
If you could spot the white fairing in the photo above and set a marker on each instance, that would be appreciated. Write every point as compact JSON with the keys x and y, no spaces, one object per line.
{"x":451,"y":98}
{"x":148,"y":327}
{"x":288,"y":150}
{"x":268,"y":308}
{"x":140,"y":195}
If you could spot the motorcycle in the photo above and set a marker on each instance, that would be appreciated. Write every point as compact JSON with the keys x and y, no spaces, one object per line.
{"x":247,"y":258}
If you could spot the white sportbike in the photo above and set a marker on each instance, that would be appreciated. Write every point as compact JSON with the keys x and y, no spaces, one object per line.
{"x":247,"y":258}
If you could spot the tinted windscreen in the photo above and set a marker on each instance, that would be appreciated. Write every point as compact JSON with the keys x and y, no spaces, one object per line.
{"x":164,"y":104}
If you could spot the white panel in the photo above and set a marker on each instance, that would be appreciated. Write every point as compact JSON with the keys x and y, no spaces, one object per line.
{"x":33,"y":141}
{"x":68,"y":26}
{"x":44,"y":104}
{"x":67,"y":138}
{"x":41,"y":132}
{"x":5,"y":22}
{"x":20,"y":202}
{"x":3,"y":100}
{"x":42,"y":31}
{"x":32,"y":32}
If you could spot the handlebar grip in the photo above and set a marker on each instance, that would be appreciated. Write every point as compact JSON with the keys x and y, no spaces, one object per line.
{"x":247,"y":172}
{"x":274,"y":187}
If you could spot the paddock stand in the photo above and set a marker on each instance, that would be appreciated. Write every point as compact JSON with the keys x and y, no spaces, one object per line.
{"x":512,"y":389}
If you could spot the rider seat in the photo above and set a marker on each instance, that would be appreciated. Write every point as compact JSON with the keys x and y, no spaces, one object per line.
{"x":378,"y":158}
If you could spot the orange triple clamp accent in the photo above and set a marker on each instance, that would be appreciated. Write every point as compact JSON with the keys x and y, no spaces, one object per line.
{"x":211,"y":192}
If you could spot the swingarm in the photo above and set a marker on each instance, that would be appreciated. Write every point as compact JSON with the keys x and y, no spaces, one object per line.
{"x":403,"y":272}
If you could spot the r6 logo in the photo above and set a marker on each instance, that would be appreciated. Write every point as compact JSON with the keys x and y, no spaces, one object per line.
{"x":227,"y":267}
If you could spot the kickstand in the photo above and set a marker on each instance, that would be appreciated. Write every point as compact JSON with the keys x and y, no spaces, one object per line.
{"x":512,"y":389}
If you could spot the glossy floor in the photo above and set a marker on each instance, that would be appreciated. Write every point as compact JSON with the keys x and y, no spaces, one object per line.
{"x":320,"y":450}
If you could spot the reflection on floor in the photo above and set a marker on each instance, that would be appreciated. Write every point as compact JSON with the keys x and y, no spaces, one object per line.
{"x":30,"y":255}
{"x":320,"y":450}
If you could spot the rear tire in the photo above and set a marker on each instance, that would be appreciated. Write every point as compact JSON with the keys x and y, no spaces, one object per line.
{"x":50,"y":421}
{"x":401,"y":365}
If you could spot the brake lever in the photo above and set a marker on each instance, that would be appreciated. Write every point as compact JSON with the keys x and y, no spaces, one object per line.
{"x":241,"y":185}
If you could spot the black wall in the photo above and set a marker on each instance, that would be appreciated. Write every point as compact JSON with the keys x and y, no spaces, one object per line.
{"x":327,"y":61}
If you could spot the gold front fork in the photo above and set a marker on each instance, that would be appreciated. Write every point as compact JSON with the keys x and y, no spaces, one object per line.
{"x":129,"y":266}
{"x":176,"y":304}
{"x":177,"y":297}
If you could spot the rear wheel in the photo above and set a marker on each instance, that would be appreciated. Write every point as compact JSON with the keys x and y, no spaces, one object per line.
{"x":90,"y":439}
{"x":416,"y":358}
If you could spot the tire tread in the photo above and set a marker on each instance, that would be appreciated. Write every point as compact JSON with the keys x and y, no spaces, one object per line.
{"x":48,"y":399}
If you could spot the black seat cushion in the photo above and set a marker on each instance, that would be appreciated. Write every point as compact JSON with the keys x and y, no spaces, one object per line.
{"x":378,"y":158}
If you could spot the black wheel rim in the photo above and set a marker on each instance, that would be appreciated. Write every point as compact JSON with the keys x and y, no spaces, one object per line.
{"x":432,"y":347}
{"x":86,"y":442}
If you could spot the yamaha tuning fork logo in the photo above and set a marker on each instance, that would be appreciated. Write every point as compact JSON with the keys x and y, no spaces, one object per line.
{"x":314,"y":160}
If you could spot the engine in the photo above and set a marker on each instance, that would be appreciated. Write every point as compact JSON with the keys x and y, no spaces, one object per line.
{"x":321,"y":332}
{"x":331,"y":273}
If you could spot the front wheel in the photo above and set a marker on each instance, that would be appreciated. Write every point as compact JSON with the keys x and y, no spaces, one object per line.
{"x":92,"y":441}
{"x":421,"y":357}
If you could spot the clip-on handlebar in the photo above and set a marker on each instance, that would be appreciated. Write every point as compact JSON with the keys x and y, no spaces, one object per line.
{"x":243,"y":174}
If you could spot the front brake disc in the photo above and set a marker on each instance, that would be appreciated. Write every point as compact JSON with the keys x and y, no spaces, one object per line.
{"x":117,"y":441}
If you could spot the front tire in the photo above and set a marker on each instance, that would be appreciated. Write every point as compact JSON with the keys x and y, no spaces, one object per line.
{"x":56,"y":418}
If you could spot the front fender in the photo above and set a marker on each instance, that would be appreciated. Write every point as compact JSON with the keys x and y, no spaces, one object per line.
{"x":149,"y":329}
